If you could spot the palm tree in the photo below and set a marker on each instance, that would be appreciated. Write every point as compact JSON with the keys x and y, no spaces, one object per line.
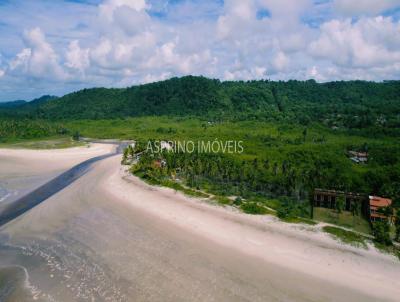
{"x":355,"y":210}
{"x":340,"y":201}
{"x":397,"y":224}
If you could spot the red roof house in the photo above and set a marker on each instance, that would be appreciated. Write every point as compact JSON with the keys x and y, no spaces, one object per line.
{"x":376,"y":204}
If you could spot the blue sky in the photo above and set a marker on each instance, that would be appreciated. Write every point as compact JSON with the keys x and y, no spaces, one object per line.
{"x":55,"y":47}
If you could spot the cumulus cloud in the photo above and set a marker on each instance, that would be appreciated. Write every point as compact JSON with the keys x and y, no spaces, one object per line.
{"x":39,"y":59}
{"x":168,"y":57}
{"x":76,"y":57}
{"x":257,"y":72}
{"x":366,"y":43}
{"x":123,"y":17}
{"x":126,"y":42}
{"x":280,"y":62}
{"x":239,"y":17}
{"x":150,"y":78}
{"x":364,"y":7}
{"x":108,"y":8}
{"x":287,"y":10}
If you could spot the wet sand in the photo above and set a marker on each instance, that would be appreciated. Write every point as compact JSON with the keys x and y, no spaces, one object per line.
{"x":13,"y":285}
{"x":22,"y":170}
{"x":105,"y":238}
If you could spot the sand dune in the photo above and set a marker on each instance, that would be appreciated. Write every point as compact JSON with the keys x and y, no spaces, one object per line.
{"x":112,"y":239}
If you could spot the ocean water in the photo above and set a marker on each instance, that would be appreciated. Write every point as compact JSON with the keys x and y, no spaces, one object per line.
{"x":4,"y":193}
{"x":12,"y":188}
{"x":15,"y":276}
{"x":15,"y":285}
{"x":37,"y":271}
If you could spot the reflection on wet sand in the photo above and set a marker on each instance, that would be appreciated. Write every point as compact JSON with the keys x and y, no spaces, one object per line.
{"x":14,"y":285}
{"x":86,"y":244}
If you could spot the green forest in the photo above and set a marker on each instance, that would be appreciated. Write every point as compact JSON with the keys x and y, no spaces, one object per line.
{"x":277,"y":160}
{"x":296,"y":134}
{"x":355,"y":105}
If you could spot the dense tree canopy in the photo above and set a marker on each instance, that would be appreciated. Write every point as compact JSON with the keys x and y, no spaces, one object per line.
{"x":353,"y":105}
{"x":313,"y":125}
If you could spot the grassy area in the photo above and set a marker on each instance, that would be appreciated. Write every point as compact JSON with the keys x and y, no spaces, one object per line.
{"x":265,"y":139}
{"x":186,"y":191}
{"x":265,"y":205}
{"x":299,"y":220}
{"x":345,"y":219}
{"x":289,"y":162}
{"x":173,"y":185}
{"x":50,"y":143}
{"x":268,"y":202}
{"x":347,"y":237}
{"x":392,"y":249}
{"x":222,"y":200}
{"x":254,"y":208}
{"x":321,"y":149}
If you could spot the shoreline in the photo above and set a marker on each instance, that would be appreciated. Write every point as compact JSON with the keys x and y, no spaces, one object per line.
{"x":24,"y":170}
{"x":262,"y":236}
{"x":109,"y":233}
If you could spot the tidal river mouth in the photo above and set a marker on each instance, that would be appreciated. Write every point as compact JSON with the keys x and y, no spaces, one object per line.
{"x":97,"y":234}
{"x":14,"y":207}
{"x":28,"y":178}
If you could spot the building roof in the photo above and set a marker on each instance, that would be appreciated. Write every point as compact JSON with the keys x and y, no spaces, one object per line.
{"x":358,"y":154}
{"x":335,"y":193}
{"x":376,"y":201}
{"x":379,"y":215}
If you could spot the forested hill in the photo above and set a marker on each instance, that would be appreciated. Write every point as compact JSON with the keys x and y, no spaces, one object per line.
{"x":12,"y":104}
{"x":353,"y":104}
{"x":22,"y":106}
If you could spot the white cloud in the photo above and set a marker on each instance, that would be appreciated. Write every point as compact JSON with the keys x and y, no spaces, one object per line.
{"x":364,"y":7}
{"x":39,"y":59}
{"x":366,"y":43}
{"x":76,"y":57}
{"x":168,"y":57}
{"x":149,"y":78}
{"x":123,"y":42}
{"x":108,"y":8}
{"x":257,"y":72}
{"x":130,"y":20}
{"x":287,"y":9}
{"x":280,"y":62}
{"x":21,"y":59}
{"x":314,"y":73}
{"x":243,"y":9}
{"x":238,"y":20}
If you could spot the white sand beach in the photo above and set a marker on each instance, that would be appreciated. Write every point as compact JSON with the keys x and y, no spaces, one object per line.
{"x":299,"y":247}
{"x":22,"y":170}
{"x":111,"y":237}
{"x":28,"y":161}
